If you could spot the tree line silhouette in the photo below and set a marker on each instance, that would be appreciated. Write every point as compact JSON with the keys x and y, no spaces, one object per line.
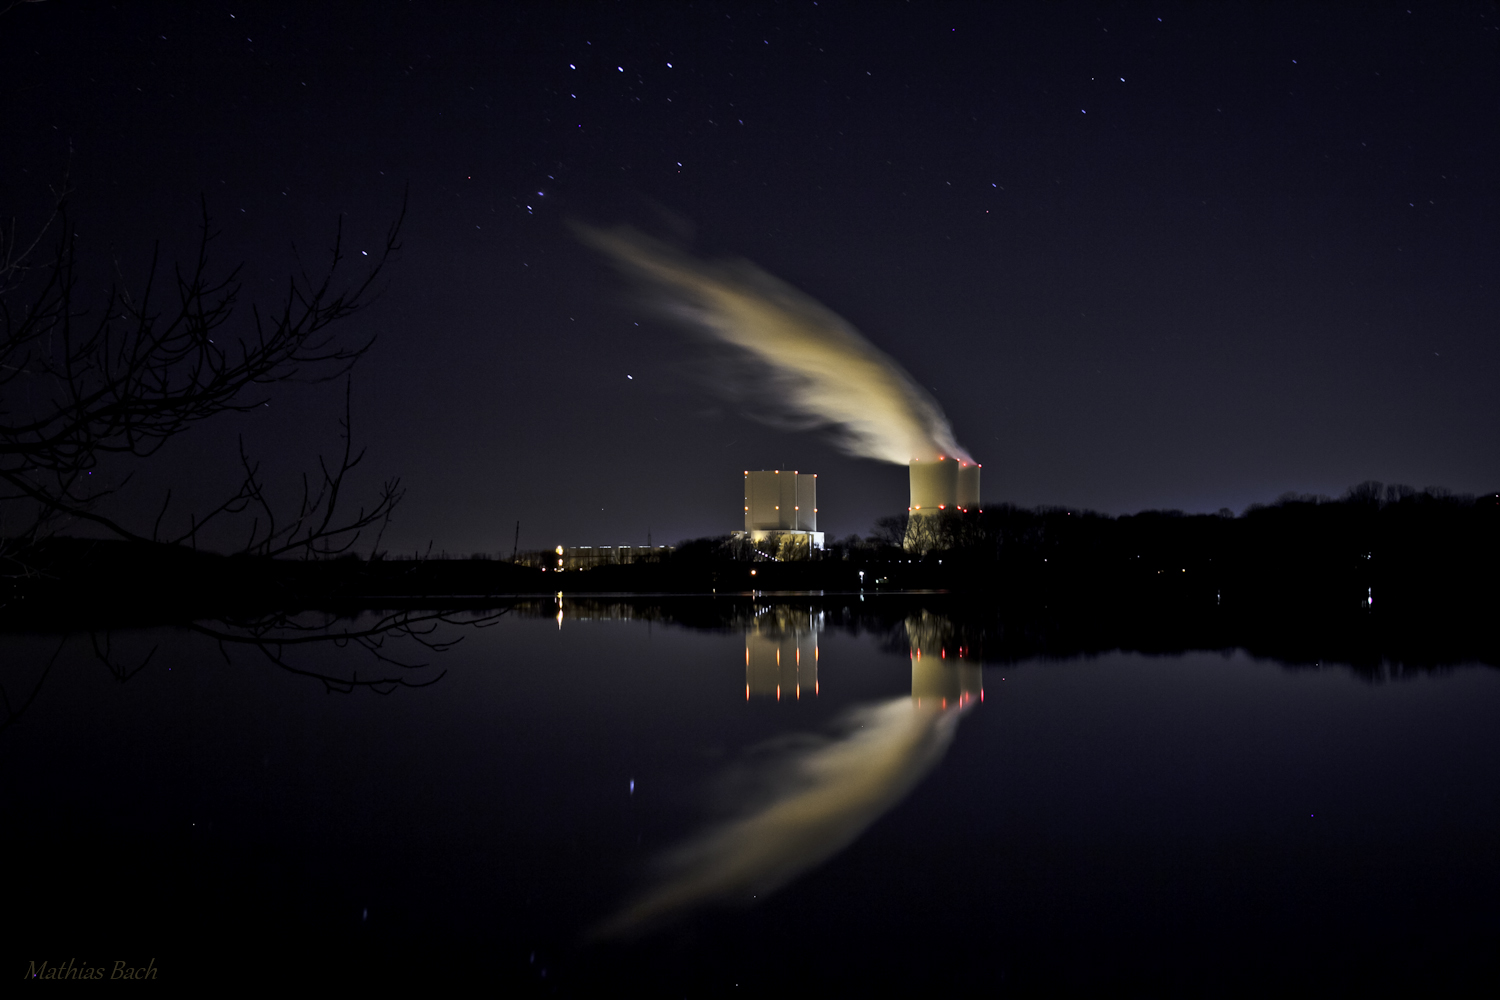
{"x":1377,"y":549}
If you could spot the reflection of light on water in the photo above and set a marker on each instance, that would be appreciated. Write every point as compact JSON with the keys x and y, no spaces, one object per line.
{"x":820,"y":793}
{"x":781,"y":652}
{"x":950,"y":682}
{"x":814,"y":795}
{"x":953,"y":677}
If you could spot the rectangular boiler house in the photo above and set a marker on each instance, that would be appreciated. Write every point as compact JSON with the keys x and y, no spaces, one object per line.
{"x":777,"y":500}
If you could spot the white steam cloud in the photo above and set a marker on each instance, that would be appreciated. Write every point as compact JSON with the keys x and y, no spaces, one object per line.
{"x":820,"y":796}
{"x":822,"y":369}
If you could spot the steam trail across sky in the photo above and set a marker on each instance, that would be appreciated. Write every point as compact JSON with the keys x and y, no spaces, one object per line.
{"x":821,"y":796}
{"x":821,"y":368}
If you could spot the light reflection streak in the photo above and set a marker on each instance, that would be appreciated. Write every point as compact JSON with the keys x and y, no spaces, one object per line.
{"x":820,"y":794}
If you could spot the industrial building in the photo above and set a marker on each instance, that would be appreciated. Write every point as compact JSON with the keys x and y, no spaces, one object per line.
{"x":568,"y":558}
{"x":781,"y":513}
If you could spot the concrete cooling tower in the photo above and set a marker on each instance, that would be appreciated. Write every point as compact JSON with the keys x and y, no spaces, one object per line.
{"x":946,"y":486}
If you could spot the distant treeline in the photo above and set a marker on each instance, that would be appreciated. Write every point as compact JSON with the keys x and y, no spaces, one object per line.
{"x":1376,"y":546}
{"x":1377,"y":549}
{"x":975,"y":626}
{"x":87,"y":583}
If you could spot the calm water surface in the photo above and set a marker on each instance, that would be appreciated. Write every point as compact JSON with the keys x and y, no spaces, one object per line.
{"x":581,"y":804}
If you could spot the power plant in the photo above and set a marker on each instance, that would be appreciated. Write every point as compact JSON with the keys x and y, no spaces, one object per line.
{"x":819,"y":368}
{"x":781,"y":518}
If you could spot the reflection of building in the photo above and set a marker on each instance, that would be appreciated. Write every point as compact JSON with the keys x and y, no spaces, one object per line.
{"x":781,"y":514}
{"x":943,"y":669}
{"x":781,"y":653}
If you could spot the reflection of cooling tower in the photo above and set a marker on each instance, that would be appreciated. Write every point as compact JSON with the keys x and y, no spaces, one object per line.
{"x":948,"y":683}
{"x":944,"y":671}
{"x":781,"y":654}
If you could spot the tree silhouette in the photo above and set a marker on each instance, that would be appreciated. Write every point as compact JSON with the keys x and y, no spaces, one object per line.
{"x":79,"y":385}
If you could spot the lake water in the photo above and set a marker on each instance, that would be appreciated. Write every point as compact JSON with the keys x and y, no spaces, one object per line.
{"x":803,"y":799}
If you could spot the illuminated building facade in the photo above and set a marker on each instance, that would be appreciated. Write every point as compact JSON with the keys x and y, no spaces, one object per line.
{"x":581,"y":557}
{"x":781,"y":513}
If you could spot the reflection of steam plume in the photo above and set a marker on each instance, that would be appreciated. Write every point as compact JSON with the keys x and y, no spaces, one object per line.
{"x":821,"y":798}
{"x":825,"y":370}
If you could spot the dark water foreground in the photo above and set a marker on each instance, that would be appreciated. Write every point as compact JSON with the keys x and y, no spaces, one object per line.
{"x":746,"y":795}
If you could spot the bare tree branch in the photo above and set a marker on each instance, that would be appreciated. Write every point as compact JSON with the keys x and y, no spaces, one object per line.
{"x":77,"y":387}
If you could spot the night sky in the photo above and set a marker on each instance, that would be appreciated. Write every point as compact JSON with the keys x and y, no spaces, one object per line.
{"x":1143,"y":255}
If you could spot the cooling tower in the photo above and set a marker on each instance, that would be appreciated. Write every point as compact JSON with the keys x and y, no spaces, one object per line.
{"x":968,"y":486}
{"x":944,"y":487}
{"x":946,"y":484}
{"x":934,"y":485}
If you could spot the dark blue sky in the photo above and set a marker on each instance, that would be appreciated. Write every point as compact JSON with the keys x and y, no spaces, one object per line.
{"x":1144,"y":255}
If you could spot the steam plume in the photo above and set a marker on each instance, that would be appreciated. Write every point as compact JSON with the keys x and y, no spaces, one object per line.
{"x":823,"y":369}
{"x":821,"y":796}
